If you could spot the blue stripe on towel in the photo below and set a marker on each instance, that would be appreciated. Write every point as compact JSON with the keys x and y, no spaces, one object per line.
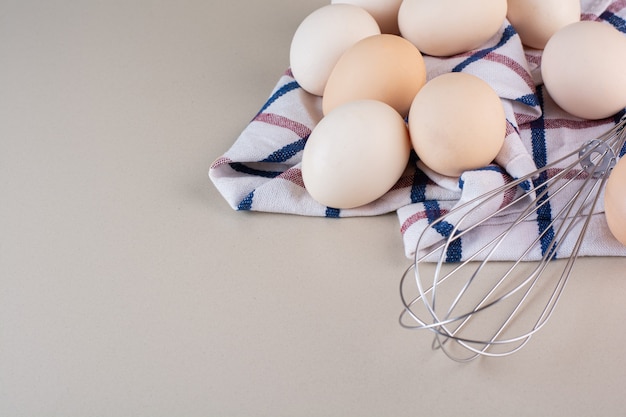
{"x":455,"y":248}
{"x":286,"y":152}
{"x":508,"y":33}
{"x":244,"y":169}
{"x":333,"y":213}
{"x":432,"y":210}
{"x":617,"y":21}
{"x":454,"y":253}
{"x":528,"y":99}
{"x":246,"y":203}
{"x":540,"y":155}
{"x":420,"y":183}
{"x":278,"y":94}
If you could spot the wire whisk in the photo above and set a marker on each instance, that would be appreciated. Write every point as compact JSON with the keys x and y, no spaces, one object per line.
{"x":483,"y":305}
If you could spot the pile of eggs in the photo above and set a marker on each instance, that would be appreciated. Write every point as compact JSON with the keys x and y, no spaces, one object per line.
{"x":365,"y":59}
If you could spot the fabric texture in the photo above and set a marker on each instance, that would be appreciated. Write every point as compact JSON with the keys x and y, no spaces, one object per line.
{"x":261,"y":171}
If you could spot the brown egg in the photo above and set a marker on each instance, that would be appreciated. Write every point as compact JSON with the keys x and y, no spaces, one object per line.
{"x":383,"y":67}
{"x":615,"y":201}
{"x":457,"y":123}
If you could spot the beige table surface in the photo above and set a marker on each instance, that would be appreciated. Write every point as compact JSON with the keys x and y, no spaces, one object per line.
{"x":128,"y":287}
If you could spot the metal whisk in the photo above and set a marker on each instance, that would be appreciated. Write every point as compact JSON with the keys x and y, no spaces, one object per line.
{"x":482,"y":305}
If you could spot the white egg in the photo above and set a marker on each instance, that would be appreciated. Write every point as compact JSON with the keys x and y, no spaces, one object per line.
{"x":449,"y":27}
{"x":322,"y":37}
{"x":537,"y":20}
{"x":583,"y":69}
{"x":355,"y":154}
{"x":384,"y":11}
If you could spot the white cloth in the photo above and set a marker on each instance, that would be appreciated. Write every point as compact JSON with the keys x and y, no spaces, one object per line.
{"x":261,"y":171}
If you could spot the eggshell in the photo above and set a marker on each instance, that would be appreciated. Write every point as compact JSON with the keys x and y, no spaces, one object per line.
{"x":583,"y":69}
{"x":355,"y":154}
{"x":384,"y":11}
{"x":615,"y":201}
{"x":322,"y":37}
{"x":449,"y":27}
{"x":537,"y":20}
{"x":457,"y":123}
{"x":384,"y":67}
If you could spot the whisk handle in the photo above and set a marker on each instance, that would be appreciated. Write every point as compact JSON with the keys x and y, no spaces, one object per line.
{"x":604,"y":161}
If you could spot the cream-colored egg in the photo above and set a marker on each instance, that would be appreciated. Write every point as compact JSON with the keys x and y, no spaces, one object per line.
{"x":449,"y":27}
{"x":384,"y":67}
{"x":457,"y":123}
{"x":384,"y":11}
{"x":322,"y":37}
{"x":583,"y":69}
{"x":537,"y":20}
{"x":355,"y":154}
{"x":615,"y":201}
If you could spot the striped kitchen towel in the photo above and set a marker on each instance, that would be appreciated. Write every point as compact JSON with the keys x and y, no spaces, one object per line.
{"x":261,"y":170}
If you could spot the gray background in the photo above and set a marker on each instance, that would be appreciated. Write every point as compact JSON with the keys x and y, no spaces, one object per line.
{"x":128,"y":287}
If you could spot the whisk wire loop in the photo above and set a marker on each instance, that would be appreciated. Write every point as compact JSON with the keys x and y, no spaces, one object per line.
{"x":472,"y":310}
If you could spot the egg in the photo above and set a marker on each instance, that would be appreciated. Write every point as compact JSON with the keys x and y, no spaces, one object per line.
{"x":322,"y":37}
{"x":537,"y":20}
{"x":384,"y":11}
{"x":383,"y":67}
{"x":355,"y":154}
{"x":583,"y":68}
{"x":449,"y":27}
{"x":457,"y":123}
{"x":615,"y":201}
